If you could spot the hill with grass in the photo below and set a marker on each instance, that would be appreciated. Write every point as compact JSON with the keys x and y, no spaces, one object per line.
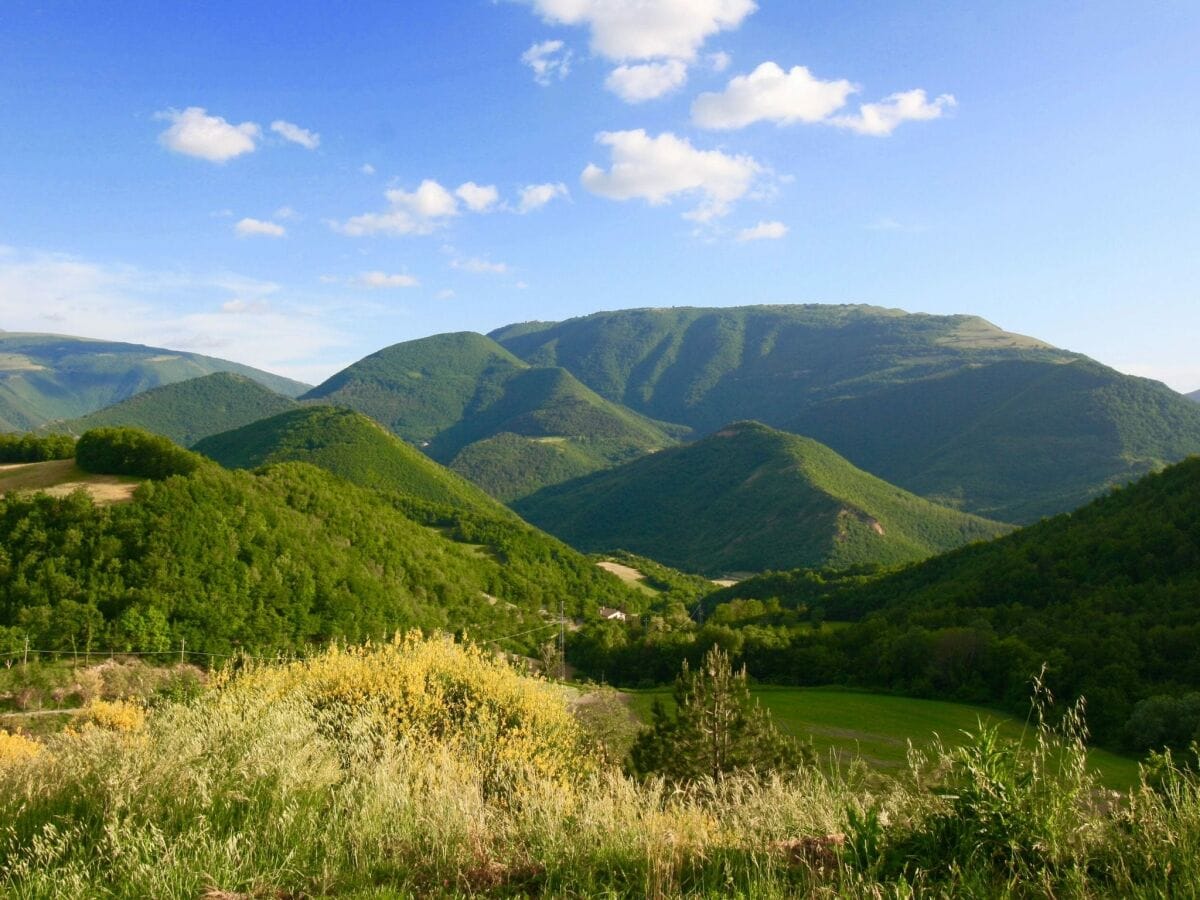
{"x":749,"y":498}
{"x":949,"y":407}
{"x":275,"y":560}
{"x":509,"y":427}
{"x":187,"y":411}
{"x":349,"y":445}
{"x":44,"y":377}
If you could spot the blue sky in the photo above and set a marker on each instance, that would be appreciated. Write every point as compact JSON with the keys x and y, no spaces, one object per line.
{"x":295,"y":185}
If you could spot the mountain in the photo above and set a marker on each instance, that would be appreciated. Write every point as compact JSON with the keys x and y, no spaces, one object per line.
{"x":349,"y":445}
{"x":1194,"y":395}
{"x":950,"y":407}
{"x":510,"y":427}
{"x":749,"y":498}
{"x":286,"y":557}
{"x":1106,"y":596}
{"x":187,"y":411}
{"x":44,"y":377}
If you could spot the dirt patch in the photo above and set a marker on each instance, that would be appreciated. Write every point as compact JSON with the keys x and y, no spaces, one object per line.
{"x":724,"y":582}
{"x":60,"y":477}
{"x":625,"y":573}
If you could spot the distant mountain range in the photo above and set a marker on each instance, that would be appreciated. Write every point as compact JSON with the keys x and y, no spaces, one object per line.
{"x":1194,"y":395}
{"x":949,"y":407}
{"x":44,"y":377}
{"x":509,"y":426}
{"x":187,"y":411}
{"x":749,"y":498}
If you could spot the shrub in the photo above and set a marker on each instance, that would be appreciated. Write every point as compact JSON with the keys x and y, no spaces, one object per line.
{"x":131,"y":451}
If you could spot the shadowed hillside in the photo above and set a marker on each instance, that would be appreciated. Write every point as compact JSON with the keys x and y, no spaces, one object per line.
{"x":750,"y":498}
{"x":949,"y":407}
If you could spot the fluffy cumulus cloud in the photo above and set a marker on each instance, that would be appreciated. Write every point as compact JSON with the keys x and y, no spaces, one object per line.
{"x":771,"y":94}
{"x":477,"y":197}
{"x":646,"y":81}
{"x":657,"y":169}
{"x":309,"y":140}
{"x":549,"y":60}
{"x":535,"y":196}
{"x":258,"y":228}
{"x":881,"y":119}
{"x":422,"y":211}
{"x":193,"y":132}
{"x":763,"y":231}
{"x":624,"y":30}
{"x":384,"y":280}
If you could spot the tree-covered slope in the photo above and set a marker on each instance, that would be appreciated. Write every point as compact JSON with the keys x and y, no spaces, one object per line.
{"x":420,"y":388}
{"x":274,"y":560}
{"x":349,"y":445}
{"x":1194,"y":395}
{"x":950,"y":407}
{"x":476,"y":407}
{"x":187,"y":411}
{"x":45,"y":377}
{"x":1108,"y":596}
{"x":749,"y":498}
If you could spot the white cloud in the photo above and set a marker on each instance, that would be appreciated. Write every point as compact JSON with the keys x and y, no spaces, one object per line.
{"x":367,"y":169}
{"x":535,"y":196}
{"x":423,"y":211}
{"x":763,"y":231}
{"x":719,"y":61}
{"x":446,"y":294}
{"x":222,"y":314}
{"x":657,"y":169}
{"x":478,"y":197}
{"x":309,"y":140}
{"x":480,"y":266}
{"x":257,"y":227}
{"x":286,"y":212}
{"x":548,"y":60}
{"x":646,"y":81}
{"x":647,"y":29}
{"x":384,"y":280}
{"x":195,"y":133}
{"x":881,"y":119}
{"x":769,"y":93}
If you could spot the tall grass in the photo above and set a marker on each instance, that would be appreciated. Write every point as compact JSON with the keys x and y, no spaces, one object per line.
{"x":264,"y":787}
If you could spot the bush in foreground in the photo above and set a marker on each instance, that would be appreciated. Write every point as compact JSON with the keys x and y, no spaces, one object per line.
{"x":383,"y":772}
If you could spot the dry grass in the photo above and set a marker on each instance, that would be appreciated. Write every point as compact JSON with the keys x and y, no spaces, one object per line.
{"x":60,"y":477}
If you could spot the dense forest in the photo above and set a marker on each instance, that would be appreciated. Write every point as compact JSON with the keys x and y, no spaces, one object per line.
{"x":275,"y":560}
{"x":1106,"y":597}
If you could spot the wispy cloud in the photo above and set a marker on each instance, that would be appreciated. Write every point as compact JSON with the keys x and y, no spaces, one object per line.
{"x":549,"y":60}
{"x":763,"y":231}
{"x":258,"y":228}
{"x":309,"y":140}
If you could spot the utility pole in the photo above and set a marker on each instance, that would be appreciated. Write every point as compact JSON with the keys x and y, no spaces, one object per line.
{"x":26,"y":660}
{"x":182,"y":648}
{"x":562,"y":641}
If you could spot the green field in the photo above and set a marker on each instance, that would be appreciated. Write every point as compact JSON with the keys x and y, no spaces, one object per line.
{"x":877,"y":727}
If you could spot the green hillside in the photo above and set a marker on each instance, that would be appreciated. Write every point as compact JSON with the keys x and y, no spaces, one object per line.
{"x":273,"y":560}
{"x":420,"y":388}
{"x":750,"y":498}
{"x":509,"y":427}
{"x":349,"y":445}
{"x":187,"y":411}
{"x":44,"y":377}
{"x":1194,"y":395}
{"x":949,"y":407}
{"x":1107,"y":596}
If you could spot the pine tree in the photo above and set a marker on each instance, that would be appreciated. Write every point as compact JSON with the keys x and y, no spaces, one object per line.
{"x":716,"y":728}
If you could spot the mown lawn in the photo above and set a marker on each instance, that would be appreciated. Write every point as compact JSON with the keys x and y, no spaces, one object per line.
{"x":843,"y":724}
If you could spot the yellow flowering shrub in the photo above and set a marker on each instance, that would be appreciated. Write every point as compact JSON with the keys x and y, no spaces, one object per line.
{"x":15,"y":748}
{"x":111,"y":715}
{"x":431,"y":692}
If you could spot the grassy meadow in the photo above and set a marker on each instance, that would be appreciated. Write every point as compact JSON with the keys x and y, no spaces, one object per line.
{"x":877,"y":728}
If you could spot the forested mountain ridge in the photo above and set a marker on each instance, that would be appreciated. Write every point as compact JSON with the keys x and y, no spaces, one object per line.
{"x":187,"y":411}
{"x":1194,"y":395}
{"x":279,"y":559}
{"x":510,"y":427}
{"x":44,"y":377}
{"x":949,"y":407}
{"x":349,"y":445}
{"x":1108,"y":596}
{"x":749,"y":498}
